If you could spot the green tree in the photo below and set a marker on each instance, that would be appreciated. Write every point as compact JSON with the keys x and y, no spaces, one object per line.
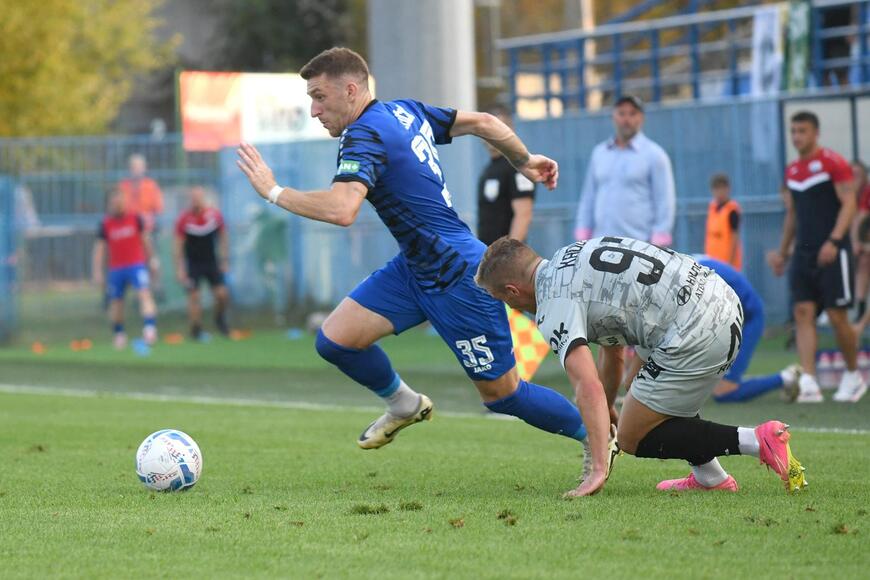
{"x":68,"y":65}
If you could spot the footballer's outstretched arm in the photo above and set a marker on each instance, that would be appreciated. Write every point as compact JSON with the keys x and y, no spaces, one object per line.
{"x":593,"y":407}
{"x":338,"y":205}
{"x":491,"y":129}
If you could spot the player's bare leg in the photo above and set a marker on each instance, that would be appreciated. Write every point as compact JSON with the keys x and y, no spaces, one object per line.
{"x":194,"y":313}
{"x":724,"y":387}
{"x":852,"y":386}
{"x":148,"y":309}
{"x":222,"y":301}
{"x":637,"y":420}
{"x":347,"y":340}
{"x":116,"y":315}
{"x":807,"y":343}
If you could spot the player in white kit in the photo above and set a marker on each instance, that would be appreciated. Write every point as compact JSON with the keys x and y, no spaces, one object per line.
{"x":686,"y":324}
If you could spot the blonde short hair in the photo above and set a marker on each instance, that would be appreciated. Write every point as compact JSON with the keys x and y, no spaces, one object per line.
{"x":504,"y":262}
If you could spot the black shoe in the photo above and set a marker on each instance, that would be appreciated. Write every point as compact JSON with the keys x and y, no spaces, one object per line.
{"x":222,"y":326}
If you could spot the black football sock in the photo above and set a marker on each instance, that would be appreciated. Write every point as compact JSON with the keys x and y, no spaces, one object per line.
{"x":695,"y":440}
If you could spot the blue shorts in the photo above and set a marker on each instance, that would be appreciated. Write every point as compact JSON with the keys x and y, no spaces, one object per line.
{"x":472,"y":323}
{"x":137,"y":276}
{"x":753,"y":328}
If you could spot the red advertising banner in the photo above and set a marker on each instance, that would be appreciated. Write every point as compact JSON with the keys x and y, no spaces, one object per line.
{"x":211,"y":109}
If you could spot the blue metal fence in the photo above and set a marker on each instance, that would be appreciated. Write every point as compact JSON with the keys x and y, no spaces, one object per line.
{"x":687,"y":57}
{"x":8,"y":292}
{"x":280,"y":259}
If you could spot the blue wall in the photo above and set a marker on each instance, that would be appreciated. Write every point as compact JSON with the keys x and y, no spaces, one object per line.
{"x":326,"y":262}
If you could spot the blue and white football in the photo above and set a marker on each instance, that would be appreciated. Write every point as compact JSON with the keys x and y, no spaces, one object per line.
{"x":168,"y":460}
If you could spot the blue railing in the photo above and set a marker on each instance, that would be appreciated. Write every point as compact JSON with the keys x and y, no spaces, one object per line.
{"x":687,"y":57}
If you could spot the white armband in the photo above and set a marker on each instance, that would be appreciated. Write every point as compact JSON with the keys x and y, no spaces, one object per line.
{"x":274,"y":193}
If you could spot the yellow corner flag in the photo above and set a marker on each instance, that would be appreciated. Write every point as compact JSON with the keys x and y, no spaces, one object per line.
{"x":530,"y":348}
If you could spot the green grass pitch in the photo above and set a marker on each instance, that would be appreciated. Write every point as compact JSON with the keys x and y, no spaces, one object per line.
{"x":285,"y":491}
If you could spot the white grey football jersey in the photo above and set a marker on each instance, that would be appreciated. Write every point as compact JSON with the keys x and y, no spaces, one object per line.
{"x":614,"y":291}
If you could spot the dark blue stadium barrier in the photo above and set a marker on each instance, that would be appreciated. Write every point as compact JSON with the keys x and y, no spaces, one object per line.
{"x":8,"y":292}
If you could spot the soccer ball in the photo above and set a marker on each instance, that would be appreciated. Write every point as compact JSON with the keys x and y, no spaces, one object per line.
{"x":168,"y":460}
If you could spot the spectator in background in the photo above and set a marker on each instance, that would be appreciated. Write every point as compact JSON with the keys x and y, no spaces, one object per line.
{"x":142,"y":196}
{"x":504,"y":195}
{"x":722,"y":241}
{"x":629,"y":185}
{"x":123,"y":236}
{"x":820,"y":206}
{"x":201,"y":252}
{"x":861,"y":240}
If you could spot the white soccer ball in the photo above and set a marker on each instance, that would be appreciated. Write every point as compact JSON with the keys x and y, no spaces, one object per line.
{"x":168,"y":460}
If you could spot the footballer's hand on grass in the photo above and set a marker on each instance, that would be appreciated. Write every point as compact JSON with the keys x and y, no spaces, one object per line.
{"x":590,"y":486}
{"x":255,"y":169}
{"x":541,"y":169}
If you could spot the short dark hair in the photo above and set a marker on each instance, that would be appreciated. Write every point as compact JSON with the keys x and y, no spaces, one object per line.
{"x":632,"y":100}
{"x":806,"y":117}
{"x":720,"y":180}
{"x":335,"y":62}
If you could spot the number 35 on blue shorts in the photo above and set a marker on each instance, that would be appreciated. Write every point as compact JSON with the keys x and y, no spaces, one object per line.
{"x":472,"y":323}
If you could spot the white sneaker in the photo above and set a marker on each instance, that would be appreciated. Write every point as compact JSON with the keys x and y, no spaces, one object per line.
{"x":852,"y":388}
{"x":809,"y":390}
{"x":384,"y":429}
{"x":120,"y":341}
{"x":791,"y":376}
{"x":149,"y":335}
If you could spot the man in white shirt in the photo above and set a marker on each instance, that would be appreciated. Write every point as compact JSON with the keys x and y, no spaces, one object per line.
{"x":629,"y":184}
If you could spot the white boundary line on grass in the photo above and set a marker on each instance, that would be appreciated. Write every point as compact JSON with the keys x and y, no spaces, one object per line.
{"x":299,"y":405}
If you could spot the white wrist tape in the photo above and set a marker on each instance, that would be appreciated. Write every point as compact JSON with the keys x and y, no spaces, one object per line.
{"x":274,"y":193}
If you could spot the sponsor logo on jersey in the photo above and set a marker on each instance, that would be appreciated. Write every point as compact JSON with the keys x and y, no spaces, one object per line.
{"x":490,"y":189}
{"x":683,"y":295}
{"x":122,"y":233}
{"x":697,"y":277}
{"x":569,"y":258}
{"x":348,"y":166}
{"x":651,"y":369}
{"x":404,"y":117}
{"x":815,"y":166}
{"x":560,"y":336}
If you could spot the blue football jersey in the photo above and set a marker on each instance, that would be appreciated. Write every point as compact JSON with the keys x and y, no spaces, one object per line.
{"x":391,"y":149}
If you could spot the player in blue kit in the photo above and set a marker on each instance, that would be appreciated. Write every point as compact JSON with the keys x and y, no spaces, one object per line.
{"x":733,"y":388}
{"x":388,"y":155}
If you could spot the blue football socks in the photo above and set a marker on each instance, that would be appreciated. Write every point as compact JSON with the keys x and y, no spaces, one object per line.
{"x":751,"y":388}
{"x":542,"y":408}
{"x":369,"y":367}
